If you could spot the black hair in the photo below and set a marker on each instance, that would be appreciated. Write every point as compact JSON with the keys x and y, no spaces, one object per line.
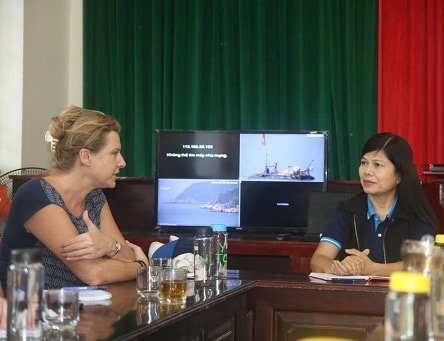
{"x":409,"y":189}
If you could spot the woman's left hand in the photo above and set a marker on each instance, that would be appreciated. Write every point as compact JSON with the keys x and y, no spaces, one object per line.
{"x":139,"y":253}
{"x":357,"y":263}
{"x":90,"y":245}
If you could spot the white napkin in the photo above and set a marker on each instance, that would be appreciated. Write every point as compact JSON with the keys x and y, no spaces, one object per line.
{"x":95,"y":297}
{"x":185,"y":260}
{"x":153,"y":247}
{"x":173,"y":238}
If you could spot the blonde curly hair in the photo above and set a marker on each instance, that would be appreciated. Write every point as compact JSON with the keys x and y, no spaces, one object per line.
{"x":76,"y":128}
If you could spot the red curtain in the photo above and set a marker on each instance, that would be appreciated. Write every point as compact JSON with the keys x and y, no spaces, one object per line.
{"x":411,"y":75}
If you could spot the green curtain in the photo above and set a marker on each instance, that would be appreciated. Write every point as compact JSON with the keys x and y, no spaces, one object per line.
{"x":233,"y":64}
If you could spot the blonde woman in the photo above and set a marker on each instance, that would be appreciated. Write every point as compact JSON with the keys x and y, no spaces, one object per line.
{"x":65,"y":214}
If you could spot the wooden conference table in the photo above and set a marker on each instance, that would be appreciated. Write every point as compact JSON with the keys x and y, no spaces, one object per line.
{"x":245,"y":306}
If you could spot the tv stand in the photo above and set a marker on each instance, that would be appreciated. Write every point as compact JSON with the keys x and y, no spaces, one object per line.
{"x":272,"y":231}
{"x":261,"y":252}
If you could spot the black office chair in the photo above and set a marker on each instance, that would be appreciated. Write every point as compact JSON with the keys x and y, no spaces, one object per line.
{"x":320,"y":206}
{"x":9,"y":182}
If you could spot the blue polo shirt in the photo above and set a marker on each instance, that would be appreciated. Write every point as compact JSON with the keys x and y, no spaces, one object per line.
{"x":375,"y":232}
{"x":375,"y":229}
{"x":371,"y":213}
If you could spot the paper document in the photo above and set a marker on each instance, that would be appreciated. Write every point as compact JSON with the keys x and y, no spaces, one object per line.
{"x":348,"y":278}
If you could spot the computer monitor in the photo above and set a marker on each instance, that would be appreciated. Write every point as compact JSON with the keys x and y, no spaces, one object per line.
{"x":247,"y":180}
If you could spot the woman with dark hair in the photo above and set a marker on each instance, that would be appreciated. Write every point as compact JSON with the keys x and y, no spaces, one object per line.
{"x":364,"y":234}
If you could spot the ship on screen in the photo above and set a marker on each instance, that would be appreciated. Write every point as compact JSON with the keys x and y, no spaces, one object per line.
{"x":293,"y":173}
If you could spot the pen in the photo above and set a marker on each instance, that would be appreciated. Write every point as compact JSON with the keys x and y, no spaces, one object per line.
{"x":94,"y":287}
{"x":349,"y":280}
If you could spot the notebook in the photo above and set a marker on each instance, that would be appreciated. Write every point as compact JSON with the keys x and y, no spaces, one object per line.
{"x":348,"y":278}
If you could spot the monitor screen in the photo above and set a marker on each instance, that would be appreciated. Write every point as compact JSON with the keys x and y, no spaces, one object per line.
{"x":247,"y":180}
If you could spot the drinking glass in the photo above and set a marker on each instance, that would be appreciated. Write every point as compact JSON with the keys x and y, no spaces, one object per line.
{"x":173,"y":285}
{"x":148,"y":282}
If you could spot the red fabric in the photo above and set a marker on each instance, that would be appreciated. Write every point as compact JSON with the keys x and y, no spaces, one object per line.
{"x":411,"y":75}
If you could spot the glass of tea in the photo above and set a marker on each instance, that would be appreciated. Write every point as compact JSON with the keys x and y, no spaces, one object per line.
{"x":173,"y":286}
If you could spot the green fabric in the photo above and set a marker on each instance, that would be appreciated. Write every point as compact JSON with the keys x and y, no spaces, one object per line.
{"x":233,"y":64}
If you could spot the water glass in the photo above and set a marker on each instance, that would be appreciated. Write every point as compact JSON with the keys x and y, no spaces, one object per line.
{"x":148,"y":282}
{"x":173,"y":285}
{"x":61,"y":311}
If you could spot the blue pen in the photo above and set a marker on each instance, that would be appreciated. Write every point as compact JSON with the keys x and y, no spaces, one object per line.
{"x":349,"y":280}
{"x":94,"y":287}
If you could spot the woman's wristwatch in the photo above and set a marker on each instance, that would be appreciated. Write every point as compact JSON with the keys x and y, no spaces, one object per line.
{"x":117,"y":248}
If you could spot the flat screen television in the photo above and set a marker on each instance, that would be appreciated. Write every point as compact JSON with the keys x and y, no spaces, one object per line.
{"x":247,"y":180}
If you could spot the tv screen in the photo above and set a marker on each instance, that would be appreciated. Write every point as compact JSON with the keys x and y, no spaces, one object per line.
{"x":247,"y":180}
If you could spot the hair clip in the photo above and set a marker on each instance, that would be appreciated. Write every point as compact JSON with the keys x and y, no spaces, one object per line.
{"x":52,"y":140}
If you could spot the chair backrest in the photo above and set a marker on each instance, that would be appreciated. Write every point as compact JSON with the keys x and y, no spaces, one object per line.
{"x":320,"y":206}
{"x":9,"y":183}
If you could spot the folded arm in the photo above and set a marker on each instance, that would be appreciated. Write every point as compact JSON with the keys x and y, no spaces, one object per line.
{"x":52,"y":226}
{"x":98,"y":243}
{"x":356,"y":263}
{"x":323,"y":257}
{"x":368,"y":266}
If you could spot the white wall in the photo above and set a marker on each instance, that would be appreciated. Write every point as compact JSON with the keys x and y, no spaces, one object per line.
{"x":75,"y":76}
{"x":46,"y":74}
{"x":11,"y":81}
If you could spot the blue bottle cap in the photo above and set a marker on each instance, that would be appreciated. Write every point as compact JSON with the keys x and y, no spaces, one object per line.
{"x":219,"y":227}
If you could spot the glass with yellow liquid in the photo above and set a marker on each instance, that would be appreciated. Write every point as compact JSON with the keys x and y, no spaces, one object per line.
{"x":173,"y":286}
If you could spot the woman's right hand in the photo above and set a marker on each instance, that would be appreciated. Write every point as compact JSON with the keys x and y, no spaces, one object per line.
{"x":90,"y":245}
